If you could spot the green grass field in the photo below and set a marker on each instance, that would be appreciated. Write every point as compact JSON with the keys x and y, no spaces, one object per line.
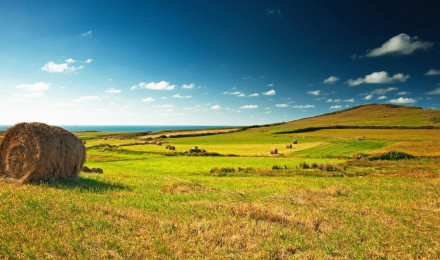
{"x":155,"y":203}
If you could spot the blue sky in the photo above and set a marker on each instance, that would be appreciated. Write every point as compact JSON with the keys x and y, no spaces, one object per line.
{"x":213,"y":62}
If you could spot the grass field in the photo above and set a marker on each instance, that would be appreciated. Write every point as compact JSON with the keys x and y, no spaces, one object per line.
{"x":154,"y":203}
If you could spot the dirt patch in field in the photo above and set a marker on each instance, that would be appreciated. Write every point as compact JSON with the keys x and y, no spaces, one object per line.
{"x":184,"y":188}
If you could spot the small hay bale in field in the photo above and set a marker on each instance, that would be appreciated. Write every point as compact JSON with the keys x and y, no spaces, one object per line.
{"x":39,"y":152}
{"x":172,"y":148}
{"x":314,"y":165}
{"x":168,"y":146}
{"x":274,"y":151}
{"x":295,"y":142}
{"x":320,"y":166}
{"x":159,"y":143}
{"x":289,"y":146}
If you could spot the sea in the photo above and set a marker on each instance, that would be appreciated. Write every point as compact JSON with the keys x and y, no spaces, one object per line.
{"x":129,"y":128}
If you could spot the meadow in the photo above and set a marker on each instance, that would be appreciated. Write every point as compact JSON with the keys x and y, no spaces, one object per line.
{"x":239,"y":201}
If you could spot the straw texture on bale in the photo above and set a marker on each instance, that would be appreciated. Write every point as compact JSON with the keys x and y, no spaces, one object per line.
{"x":39,"y":152}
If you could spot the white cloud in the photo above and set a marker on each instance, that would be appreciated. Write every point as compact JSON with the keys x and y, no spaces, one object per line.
{"x":241,"y":95}
{"x":35,"y":87}
{"x":335,"y":107}
{"x":180,"y":96}
{"x":163,"y":85}
{"x":401,"y":44}
{"x":378,"y":78}
{"x":330,"y":100}
{"x":402,"y":93}
{"x":216,"y":107}
{"x":382,"y":97}
{"x":89,"y":60}
{"x":249,"y":107}
{"x":188,"y":86}
{"x":350,"y":100}
{"x":402,"y":100}
{"x":245,"y":78}
{"x":269,"y":93}
{"x":282,"y":105}
{"x":270,"y":85}
{"x":148,"y":99}
{"x":166,"y":106}
{"x":113,"y":91}
{"x":87,"y":34}
{"x":434,"y":92}
{"x":432,"y":72}
{"x":331,"y":80}
{"x":87,"y":98}
{"x":52,"y":67}
{"x":235,"y":93}
{"x":368,"y":97}
{"x":381,"y":91}
{"x":314,"y":92}
{"x":303,"y":106}
{"x":254,"y":95}
{"x":69,"y":60}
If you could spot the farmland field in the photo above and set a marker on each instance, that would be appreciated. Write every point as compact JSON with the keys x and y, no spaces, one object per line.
{"x":240,"y":201}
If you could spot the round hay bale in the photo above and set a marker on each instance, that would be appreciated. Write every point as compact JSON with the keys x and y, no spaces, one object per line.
{"x":295,"y":142}
{"x":274,"y":151}
{"x":39,"y":152}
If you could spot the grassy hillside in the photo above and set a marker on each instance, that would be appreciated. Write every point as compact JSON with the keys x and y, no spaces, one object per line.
{"x":153,"y":203}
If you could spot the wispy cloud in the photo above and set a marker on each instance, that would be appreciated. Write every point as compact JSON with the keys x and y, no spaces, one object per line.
{"x":87,"y":98}
{"x":246,"y":78}
{"x":249,"y":107}
{"x":113,"y":91}
{"x":330,"y":100}
{"x":314,"y":92}
{"x":401,"y":44}
{"x":270,"y":85}
{"x":368,"y":97}
{"x":381,"y":77}
{"x":271,"y":92}
{"x":382,"y":97}
{"x":188,"y":86}
{"x":403,"y":93}
{"x":273,"y":11}
{"x":53,"y":67}
{"x":148,"y":99}
{"x":254,"y":95}
{"x":381,"y":91}
{"x":331,"y":80}
{"x":432,"y":72}
{"x":282,"y":105}
{"x":303,"y":106}
{"x":87,"y":34}
{"x":216,"y":107}
{"x":336,"y":107}
{"x":89,"y":60}
{"x":35,"y":87}
{"x":180,"y":96}
{"x":350,"y":100}
{"x":434,"y":92}
{"x":403,"y":100}
{"x":162,"y":85}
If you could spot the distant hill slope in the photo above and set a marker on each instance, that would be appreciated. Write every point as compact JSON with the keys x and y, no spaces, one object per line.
{"x":366,"y":115}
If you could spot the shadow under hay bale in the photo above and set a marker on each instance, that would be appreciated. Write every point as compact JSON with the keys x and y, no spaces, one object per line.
{"x":39,"y":152}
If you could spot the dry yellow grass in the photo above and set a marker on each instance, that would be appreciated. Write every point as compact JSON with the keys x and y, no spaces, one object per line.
{"x":425,"y":148}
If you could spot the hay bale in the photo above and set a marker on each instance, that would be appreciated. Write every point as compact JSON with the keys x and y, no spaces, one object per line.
{"x":295,"y":142}
{"x":168,"y":146}
{"x":172,"y":148}
{"x":274,"y":151}
{"x":39,"y":152}
{"x":288,"y":146}
{"x":85,"y":169}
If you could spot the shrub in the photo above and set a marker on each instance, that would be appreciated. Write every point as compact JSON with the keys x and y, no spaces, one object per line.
{"x":304,"y":165}
{"x":393,"y":156}
{"x":314,"y":165}
{"x":222,"y":171}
